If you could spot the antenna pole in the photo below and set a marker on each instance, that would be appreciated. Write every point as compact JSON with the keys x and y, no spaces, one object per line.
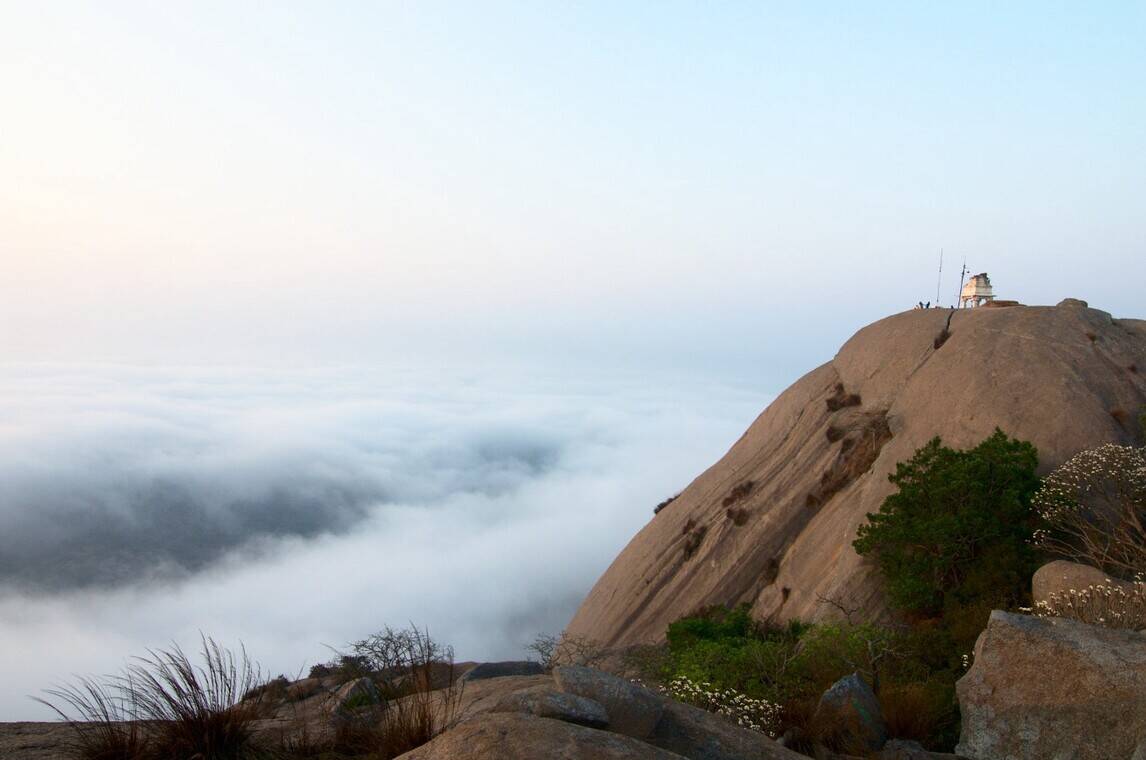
{"x":962,"y":274}
{"x":939,"y":283}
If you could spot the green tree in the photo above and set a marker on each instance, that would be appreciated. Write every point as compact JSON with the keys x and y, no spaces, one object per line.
{"x":955,"y":533}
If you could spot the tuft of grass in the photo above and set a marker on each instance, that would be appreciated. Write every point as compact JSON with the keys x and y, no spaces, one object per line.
{"x":165,"y":706}
{"x":657,"y":509}
{"x":103,"y":719}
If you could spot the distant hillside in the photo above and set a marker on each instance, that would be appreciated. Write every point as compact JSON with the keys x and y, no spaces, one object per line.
{"x":772,"y":522}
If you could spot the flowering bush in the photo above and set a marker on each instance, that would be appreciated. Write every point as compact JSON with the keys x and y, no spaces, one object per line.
{"x":1094,"y":507}
{"x":1109,"y":605}
{"x":756,"y":714}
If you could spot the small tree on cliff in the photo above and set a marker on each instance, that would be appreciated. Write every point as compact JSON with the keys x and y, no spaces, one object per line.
{"x":956,"y":531}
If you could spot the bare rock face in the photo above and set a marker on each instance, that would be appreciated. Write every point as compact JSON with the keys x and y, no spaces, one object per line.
{"x":1054,"y":688}
{"x":772,"y":522}
{"x":517,"y":736}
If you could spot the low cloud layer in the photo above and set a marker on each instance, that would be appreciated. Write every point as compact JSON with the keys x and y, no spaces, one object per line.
{"x":295,"y":510}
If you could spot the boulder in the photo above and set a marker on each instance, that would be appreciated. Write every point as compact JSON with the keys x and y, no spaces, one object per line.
{"x":905,"y":749}
{"x":503,"y":670}
{"x":361,"y":692}
{"x":679,"y":728}
{"x":518,"y":736}
{"x":302,"y":689}
{"x":1061,"y":576}
{"x":633,"y":710}
{"x":700,"y":735}
{"x":850,"y":714}
{"x":1054,"y":688}
{"x":545,"y":702}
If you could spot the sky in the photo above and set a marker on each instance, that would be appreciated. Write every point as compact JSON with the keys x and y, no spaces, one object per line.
{"x":355,"y":299}
{"x":596,"y":182}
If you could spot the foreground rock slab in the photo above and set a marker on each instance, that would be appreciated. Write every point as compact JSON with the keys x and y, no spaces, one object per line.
{"x":545,"y":702}
{"x":516,"y":736}
{"x":655,"y":719}
{"x":1054,"y":688}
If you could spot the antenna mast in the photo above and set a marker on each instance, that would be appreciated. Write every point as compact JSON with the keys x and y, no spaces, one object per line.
{"x":939,"y":283}
{"x":962,"y":274}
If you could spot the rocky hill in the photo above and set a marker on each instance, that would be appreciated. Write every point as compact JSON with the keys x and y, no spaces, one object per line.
{"x":772,"y":522}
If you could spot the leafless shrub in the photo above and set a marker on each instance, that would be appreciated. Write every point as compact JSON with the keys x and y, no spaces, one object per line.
{"x":1094,"y":507}
{"x":408,"y":667}
{"x":916,"y":711}
{"x":566,"y":649}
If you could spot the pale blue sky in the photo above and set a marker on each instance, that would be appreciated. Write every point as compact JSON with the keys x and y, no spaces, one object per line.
{"x":705,"y":184}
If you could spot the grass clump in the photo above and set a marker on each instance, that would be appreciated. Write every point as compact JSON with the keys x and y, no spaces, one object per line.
{"x":164,"y":705}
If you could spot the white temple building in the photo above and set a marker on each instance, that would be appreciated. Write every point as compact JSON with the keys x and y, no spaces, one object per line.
{"x":976,"y":292}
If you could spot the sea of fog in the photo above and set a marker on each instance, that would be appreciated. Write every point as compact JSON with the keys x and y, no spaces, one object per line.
{"x":293,"y":511}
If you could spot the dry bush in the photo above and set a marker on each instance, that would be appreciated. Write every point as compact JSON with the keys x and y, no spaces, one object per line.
{"x":407,"y":666}
{"x":1094,"y":508}
{"x":842,"y":399}
{"x":165,"y":706}
{"x":917,"y":711}
{"x":657,"y":509}
{"x":1108,"y":605}
{"x":566,"y":649}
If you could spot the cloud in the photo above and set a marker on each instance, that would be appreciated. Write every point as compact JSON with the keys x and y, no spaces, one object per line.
{"x":293,"y":510}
